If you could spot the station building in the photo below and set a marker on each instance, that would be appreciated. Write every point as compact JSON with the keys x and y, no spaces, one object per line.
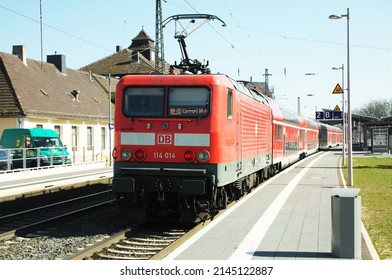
{"x":369,"y":133}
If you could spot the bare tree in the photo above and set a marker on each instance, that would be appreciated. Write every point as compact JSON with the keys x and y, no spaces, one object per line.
{"x":376,"y":108}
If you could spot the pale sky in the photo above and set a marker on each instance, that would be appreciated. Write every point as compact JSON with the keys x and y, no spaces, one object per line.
{"x":290,"y":38}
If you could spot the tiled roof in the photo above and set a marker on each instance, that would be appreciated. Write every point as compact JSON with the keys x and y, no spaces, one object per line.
{"x":34,"y":91}
{"x":9,"y":105}
{"x":120,"y":63}
{"x":138,"y":58}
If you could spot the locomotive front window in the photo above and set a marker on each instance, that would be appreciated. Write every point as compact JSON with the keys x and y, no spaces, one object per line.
{"x":144,"y":101}
{"x":188,"y":102}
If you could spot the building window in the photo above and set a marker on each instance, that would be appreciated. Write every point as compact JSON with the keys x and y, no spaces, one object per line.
{"x":74,"y":138}
{"x":103,"y":138}
{"x":90,"y":137}
{"x":39,"y":126}
{"x":57,"y":129}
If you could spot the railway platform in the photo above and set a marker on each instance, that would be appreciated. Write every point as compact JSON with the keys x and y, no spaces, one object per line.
{"x":26,"y":183}
{"x":287,"y":217}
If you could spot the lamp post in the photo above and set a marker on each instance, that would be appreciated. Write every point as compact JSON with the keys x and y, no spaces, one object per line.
{"x":349,"y":120}
{"x":110,"y":121}
{"x":343,"y":113}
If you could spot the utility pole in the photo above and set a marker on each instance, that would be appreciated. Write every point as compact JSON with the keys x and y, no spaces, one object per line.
{"x":266,"y":88}
{"x":159,"y":50}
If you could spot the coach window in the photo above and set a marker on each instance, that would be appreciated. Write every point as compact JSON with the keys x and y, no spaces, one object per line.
{"x":301,"y":135}
{"x":230,"y":104}
{"x":278,"y":132}
{"x":188,"y":102}
{"x":144,"y":101}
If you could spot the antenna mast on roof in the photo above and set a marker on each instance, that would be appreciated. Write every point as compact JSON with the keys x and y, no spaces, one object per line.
{"x":40,"y":17}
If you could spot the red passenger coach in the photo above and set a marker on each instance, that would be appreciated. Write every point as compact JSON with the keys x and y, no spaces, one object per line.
{"x":312,"y":136}
{"x":293,"y":136}
{"x":330,"y":136}
{"x":185,"y":145}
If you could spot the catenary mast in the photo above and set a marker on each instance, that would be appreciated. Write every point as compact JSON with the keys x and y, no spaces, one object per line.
{"x":159,"y":49}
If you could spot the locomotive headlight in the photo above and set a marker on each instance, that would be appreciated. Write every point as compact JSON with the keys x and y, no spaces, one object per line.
{"x":126,"y":154}
{"x":203,"y":156}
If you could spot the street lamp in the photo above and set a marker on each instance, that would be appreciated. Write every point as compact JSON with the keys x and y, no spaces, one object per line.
{"x":349,"y":120}
{"x":110,"y":121}
{"x":343,"y":113}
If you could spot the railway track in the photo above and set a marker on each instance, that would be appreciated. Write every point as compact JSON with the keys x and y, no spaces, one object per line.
{"x":28,"y":220}
{"x":143,"y":241}
{"x":146,"y":240}
{"x":56,"y":232}
{"x":83,"y":229}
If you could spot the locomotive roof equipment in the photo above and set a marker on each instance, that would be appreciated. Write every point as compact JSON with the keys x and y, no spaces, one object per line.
{"x":190,"y":65}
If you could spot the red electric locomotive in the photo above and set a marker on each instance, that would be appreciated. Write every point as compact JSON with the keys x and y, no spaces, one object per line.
{"x":187,"y":144}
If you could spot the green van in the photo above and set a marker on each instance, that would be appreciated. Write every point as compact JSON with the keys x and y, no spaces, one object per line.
{"x":29,"y":142}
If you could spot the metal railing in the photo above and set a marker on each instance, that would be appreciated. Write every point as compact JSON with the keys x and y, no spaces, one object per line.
{"x":23,"y":158}
{"x":83,"y":154}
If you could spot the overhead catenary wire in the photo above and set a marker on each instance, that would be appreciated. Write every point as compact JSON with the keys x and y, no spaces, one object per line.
{"x":56,"y":29}
{"x":227,"y":41}
{"x":286,"y":37}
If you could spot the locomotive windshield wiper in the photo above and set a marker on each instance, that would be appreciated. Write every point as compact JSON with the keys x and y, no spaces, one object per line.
{"x":131,"y":118}
{"x":203,"y":110}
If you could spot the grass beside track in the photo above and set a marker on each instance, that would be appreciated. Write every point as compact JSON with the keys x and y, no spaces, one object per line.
{"x":373,"y":176}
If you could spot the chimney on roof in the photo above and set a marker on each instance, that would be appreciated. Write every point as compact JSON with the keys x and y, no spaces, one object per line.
{"x":59,"y":61}
{"x":118,"y":48}
{"x":20,"y":51}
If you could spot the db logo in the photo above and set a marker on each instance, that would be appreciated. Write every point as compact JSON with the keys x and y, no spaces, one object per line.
{"x":164,"y":139}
